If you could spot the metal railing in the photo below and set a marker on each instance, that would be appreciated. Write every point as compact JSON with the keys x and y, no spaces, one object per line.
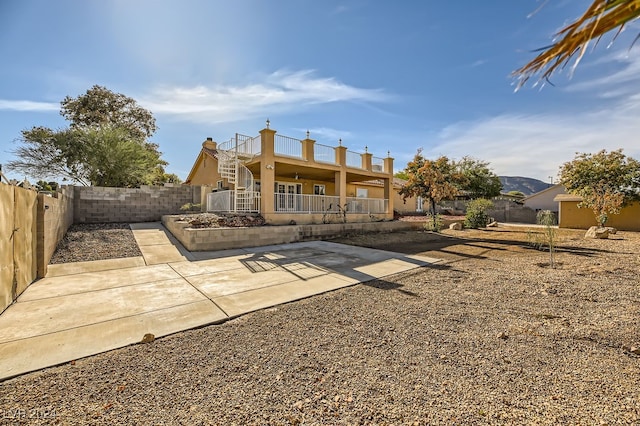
{"x":367,"y":205}
{"x":302,"y":203}
{"x":377,"y":164}
{"x":225,"y":202}
{"x":247,"y":145}
{"x":354,"y":159}
{"x":324,"y":153}
{"x":284,"y":145}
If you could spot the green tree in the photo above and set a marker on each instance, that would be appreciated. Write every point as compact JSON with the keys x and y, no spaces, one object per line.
{"x":478,"y":180}
{"x":433,"y":180}
{"x":106,"y":144}
{"x":600,"y":17}
{"x":100,"y":107}
{"x":605,"y":181}
{"x":518,"y":194}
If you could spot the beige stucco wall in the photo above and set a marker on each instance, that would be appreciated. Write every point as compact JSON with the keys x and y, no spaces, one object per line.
{"x":582,"y":218}
{"x":205,"y":171}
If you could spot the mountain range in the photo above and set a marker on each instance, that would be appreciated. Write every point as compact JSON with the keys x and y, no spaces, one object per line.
{"x":525,"y":185}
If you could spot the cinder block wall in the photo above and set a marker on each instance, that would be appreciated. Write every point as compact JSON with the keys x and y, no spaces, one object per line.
{"x":145,"y":204}
{"x":55,"y":216}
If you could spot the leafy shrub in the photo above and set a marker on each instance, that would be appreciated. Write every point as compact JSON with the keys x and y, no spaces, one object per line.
{"x":477,"y":216}
{"x":434,"y":223}
{"x":191,"y":207}
{"x":548,"y":219}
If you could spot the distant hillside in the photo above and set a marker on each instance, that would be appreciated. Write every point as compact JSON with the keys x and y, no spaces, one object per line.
{"x":525,"y":185}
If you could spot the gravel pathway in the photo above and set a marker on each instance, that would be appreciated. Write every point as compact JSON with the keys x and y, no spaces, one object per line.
{"x":493,"y":336}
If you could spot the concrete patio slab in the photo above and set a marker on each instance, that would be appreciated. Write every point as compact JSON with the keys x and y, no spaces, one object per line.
{"x":41,"y":351}
{"x":84,"y":309}
{"x":62,"y":269}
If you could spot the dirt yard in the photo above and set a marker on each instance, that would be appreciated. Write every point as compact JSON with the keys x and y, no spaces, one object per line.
{"x":492,"y":335}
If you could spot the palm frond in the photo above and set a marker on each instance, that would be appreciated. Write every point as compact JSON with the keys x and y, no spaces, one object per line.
{"x":600,"y":17}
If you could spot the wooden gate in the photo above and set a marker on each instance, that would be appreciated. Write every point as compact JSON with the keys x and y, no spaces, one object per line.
{"x":18,"y":256}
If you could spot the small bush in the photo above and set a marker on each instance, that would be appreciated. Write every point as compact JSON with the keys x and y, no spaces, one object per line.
{"x":476,"y":216}
{"x":434,"y":223}
{"x":191,"y":207}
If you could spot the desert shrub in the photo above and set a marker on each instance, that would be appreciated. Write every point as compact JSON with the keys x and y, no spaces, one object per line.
{"x":191,"y":207}
{"x":548,"y":219}
{"x":476,"y":216}
{"x":434,"y":223}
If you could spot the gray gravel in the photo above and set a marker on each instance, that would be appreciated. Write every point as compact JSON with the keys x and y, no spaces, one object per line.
{"x":490,"y":337}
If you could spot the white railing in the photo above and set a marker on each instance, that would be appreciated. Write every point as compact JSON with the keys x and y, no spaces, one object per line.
{"x":367,"y":205}
{"x":324,"y":153}
{"x":302,"y":203}
{"x":354,"y":159}
{"x":284,"y":145}
{"x":225,"y":202}
{"x":377,"y":164}
{"x":247,"y":145}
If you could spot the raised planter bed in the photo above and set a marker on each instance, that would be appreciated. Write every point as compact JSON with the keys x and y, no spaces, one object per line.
{"x":211,"y":239}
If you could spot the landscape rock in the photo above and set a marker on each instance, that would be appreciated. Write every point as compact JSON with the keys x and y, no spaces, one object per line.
{"x":492,"y":224}
{"x":148,"y":338}
{"x":597,"y":232}
{"x":612,"y":230}
{"x":456,"y":226}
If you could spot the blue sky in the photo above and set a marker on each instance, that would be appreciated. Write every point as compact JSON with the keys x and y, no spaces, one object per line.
{"x":389,"y":75}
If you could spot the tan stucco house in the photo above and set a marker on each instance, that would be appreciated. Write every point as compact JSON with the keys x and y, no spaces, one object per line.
{"x":571,"y":216}
{"x":287,"y":179}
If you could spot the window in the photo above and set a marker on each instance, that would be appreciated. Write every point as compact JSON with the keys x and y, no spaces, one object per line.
{"x":220,"y":184}
{"x":419,"y":203}
{"x":256,"y":186}
{"x":318,"y":189}
{"x":362,"y":192}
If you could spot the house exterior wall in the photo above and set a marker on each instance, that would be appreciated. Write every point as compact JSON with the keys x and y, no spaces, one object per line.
{"x":583,"y":218}
{"x":543,"y":200}
{"x":205,"y":172}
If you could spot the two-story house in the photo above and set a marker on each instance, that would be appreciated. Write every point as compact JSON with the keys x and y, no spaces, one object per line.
{"x":287,"y":179}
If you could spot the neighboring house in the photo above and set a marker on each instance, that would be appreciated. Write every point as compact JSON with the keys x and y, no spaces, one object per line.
{"x":570,"y":216}
{"x":287,"y":179}
{"x":545,"y":199}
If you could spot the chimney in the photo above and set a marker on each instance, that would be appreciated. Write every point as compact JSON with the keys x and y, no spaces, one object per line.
{"x":209,"y":143}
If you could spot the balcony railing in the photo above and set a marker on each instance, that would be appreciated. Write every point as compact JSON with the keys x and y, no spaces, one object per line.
{"x":290,"y":147}
{"x":302,"y":203}
{"x":367,"y":205}
{"x":247,"y":145}
{"x":377,"y":164}
{"x":354,"y":159}
{"x":324,"y":153}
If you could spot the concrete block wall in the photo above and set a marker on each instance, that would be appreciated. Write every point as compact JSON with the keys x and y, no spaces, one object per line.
{"x":212,"y":239}
{"x":144,"y":204}
{"x":55,"y":216}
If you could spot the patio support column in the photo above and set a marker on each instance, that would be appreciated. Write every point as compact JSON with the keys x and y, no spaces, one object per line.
{"x":389,"y":191}
{"x":267,"y":172}
{"x":341,"y":176}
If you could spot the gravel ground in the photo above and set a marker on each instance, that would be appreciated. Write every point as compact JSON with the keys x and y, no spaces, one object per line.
{"x":491,"y":336}
{"x":96,"y":241}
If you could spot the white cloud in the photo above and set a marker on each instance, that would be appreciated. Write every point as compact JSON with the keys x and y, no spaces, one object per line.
{"x":280,"y":92}
{"x":12,"y":105}
{"x":328,"y":134}
{"x":537,"y":145}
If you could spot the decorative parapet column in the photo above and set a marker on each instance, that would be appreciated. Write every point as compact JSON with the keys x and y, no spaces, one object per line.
{"x":267,"y":172}
{"x":308,"y":149}
{"x":366,"y":159}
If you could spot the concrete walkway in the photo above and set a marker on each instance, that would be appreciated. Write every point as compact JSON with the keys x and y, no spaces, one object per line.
{"x":85,"y":308}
